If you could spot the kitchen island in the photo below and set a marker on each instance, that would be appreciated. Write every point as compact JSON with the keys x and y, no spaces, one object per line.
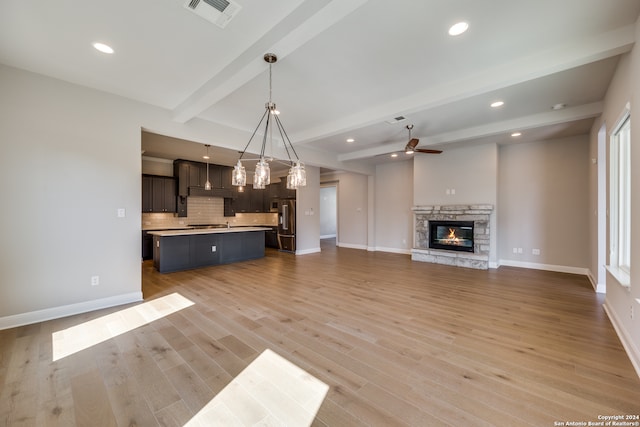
{"x":175,"y":250}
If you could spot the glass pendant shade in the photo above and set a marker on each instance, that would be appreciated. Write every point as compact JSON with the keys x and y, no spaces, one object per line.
{"x":262,"y":177}
{"x":239,"y":177}
{"x":297,"y":176}
{"x":207,"y":185}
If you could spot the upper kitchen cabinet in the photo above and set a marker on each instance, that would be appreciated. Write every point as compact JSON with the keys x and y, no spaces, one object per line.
{"x":192,"y":177}
{"x":158,"y":194}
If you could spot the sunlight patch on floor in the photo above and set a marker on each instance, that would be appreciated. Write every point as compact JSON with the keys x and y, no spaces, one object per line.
{"x":77,"y":338}
{"x":270,"y":391}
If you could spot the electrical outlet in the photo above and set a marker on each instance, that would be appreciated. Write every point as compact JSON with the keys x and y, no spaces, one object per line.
{"x":519,"y":250}
{"x":535,"y":251}
{"x":95,"y":280}
{"x":213,"y":249}
{"x":515,"y":250}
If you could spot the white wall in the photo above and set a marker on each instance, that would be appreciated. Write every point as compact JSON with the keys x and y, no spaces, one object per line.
{"x":352,"y":208}
{"x":70,"y":159}
{"x":544,"y":204}
{"x":620,"y":301}
{"x":393,"y":203}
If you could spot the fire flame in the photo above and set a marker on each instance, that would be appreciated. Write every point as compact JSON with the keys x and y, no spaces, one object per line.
{"x":452,"y":239}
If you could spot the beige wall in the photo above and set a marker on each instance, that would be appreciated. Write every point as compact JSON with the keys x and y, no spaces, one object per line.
{"x":352,"y":208}
{"x":70,"y":159}
{"x":543,"y":202}
{"x":620,"y":301}
{"x":472,"y":172}
{"x":308,"y":213}
{"x":393,"y":202}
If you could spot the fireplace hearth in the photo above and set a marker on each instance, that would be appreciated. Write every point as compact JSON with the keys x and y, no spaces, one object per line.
{"x":451,"y":235}
{"x":457,"y":235}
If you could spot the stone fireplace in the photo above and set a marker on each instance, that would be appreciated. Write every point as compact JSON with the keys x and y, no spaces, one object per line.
{"x":456,"y":235}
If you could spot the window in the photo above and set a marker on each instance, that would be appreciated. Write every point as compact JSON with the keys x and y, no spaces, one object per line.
{"x":620,"y":196}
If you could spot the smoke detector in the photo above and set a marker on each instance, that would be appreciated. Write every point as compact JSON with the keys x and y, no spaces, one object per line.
{"x":220,"y":12}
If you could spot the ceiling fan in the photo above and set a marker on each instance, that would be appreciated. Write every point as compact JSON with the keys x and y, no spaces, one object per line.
{"x":413,"y":142}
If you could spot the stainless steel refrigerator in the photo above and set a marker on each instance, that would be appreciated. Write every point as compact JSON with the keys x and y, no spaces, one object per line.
{"x":287,"y":225}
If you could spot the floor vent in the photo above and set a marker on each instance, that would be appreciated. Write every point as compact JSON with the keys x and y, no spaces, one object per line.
{"x":220,"y":12}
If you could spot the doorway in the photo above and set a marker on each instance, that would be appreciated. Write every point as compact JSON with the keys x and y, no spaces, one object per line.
{"x":329,"y":212}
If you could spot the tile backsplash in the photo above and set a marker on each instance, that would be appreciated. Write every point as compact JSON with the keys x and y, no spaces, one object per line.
{"x":205,"y":210}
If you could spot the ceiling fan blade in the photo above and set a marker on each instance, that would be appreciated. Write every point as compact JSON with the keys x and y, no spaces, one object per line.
{"x":428,"y":151}
{"x":411,"y":144}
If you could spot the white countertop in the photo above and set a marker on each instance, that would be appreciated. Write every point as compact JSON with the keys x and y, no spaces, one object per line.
{"x":166,"y":233}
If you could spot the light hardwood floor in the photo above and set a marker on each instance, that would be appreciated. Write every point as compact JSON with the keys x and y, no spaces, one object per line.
{"x":398,"y":342}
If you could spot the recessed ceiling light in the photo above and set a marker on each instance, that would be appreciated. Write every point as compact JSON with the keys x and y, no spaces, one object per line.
{"x":351,"y":140}
{"x":516,"y":134}
{"x":103,"y":47}
{"x":459,"y":28}
{"x":394,"y":155}
{"x":497,"y":104}
{"x":558,"y":106}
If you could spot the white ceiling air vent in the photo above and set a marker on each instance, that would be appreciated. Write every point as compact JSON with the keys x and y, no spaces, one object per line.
{"x":219,"y":12}
{"x":396,"y":120}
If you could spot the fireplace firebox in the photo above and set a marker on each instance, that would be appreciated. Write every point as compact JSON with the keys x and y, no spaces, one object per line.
{"x":451,"y":235}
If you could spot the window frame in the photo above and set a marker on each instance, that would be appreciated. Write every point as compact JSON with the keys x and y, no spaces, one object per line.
{"x":620,"y":196}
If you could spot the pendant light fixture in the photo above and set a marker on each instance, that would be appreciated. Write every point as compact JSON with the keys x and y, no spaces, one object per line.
{"x":262,"y":177}
{"x":207,"y":185}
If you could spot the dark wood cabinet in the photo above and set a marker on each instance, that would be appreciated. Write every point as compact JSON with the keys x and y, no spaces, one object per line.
{"x":226,"y":173}
{"x":250,"y":201}
{"x":158,"y":194}
{"x":229,"y":208}
{"x":147,"y":193}
{"x":182,"y":252}
{"x":242,"y":202}
{"x":147,"y":245}
{"x":192,"y":176}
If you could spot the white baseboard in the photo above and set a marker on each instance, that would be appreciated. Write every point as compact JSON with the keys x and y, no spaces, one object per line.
{"x":600,"y":288}
{"x":308,"y":251}
{"x":21,"y":319}
{"x":547,"y":267}
{"x":393,"y":250}
{"x":327,"y":236}
{"x":627,"y":342}
{"x":351,"y":246}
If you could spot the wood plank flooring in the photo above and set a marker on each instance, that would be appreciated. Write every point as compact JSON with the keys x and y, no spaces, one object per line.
{"x":400,"y":343}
